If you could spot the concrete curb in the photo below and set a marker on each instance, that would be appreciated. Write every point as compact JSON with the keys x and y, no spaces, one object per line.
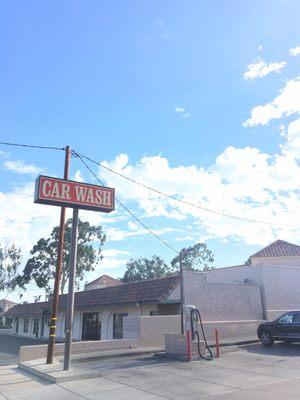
{"x":54,"y":372}
{"x":104,"y":355}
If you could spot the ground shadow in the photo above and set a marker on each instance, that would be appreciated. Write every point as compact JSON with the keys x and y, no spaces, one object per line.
{"x":277,"y":349}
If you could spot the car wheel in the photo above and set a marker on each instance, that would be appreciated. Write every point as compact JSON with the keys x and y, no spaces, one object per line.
{"x":266,"y":338}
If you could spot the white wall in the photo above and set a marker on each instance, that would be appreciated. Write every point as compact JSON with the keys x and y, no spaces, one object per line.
{"x":220,"y":301}
{"x":105,"y":315}
{"x":279,"y":284}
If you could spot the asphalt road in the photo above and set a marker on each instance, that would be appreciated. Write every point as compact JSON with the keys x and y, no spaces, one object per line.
{"x":10,"y":345}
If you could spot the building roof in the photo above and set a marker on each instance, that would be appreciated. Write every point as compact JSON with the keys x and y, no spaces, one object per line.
{"x":147,"y":291}
{"x":279,"y":248}
{"x":104,"y":281}
{"x":8,"y":302}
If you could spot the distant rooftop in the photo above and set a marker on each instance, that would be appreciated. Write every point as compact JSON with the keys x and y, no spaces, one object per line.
{"x":8,"y":302}
{"x":104,"y":281}
{"x":279,"y":248}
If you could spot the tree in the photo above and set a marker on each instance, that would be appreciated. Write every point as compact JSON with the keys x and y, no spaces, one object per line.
{"x":40,"y":268}
{"x":37,"y":298}
{"x":145,"y":268}
{"x":10,"y":259}
{"x":194,"y":258}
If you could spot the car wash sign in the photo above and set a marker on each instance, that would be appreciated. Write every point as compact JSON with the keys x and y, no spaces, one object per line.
{"x":66,"y":193}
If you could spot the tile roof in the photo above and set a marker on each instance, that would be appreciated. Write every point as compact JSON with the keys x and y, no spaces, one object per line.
{"x":279,"y":248}
{"x":148,"y":291}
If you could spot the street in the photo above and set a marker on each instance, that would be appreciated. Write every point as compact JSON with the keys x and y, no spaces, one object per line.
{"x":249,"y":372}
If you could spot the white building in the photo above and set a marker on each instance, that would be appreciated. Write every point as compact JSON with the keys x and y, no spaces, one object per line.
{"x":99,"y":312}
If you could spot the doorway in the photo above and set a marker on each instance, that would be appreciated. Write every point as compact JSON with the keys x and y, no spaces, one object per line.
{"x":36,"y":327}
{"x":91,"y":326}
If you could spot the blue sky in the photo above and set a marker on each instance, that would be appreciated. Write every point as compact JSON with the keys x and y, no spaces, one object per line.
{"x":160,"y":91}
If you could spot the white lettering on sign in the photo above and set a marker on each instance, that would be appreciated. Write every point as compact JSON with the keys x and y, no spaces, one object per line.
{"x":106,"y":198}
{"x":80,"y":193}
{"x":56,"y":191}
{"x":65,"y":191}
{"x":46,"y":189}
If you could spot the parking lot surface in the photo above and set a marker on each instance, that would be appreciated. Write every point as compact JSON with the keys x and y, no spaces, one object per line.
{"x":242,"y":373}
{"x":10,"y":346}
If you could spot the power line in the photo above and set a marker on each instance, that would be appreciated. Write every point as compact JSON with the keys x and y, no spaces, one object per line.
{"x":227,"y":215}
{"x":32,"y":146}
{"x":159,"y":192}
{"x":126,"y":208}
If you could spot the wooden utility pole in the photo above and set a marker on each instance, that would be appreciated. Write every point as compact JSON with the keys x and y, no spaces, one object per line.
{"x":181,"y":292}
{"x":60,"y":250}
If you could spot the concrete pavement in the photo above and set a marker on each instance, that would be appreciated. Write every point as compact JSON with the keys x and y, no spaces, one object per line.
{"x":243,"y":373}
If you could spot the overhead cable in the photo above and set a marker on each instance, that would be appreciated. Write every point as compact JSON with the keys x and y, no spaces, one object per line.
{"x":223,"y":214}
{"x":31,"y":146}
{"x":126,"y":208}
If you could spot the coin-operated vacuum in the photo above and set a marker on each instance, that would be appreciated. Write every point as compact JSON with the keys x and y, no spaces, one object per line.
{"x":194,"y":331}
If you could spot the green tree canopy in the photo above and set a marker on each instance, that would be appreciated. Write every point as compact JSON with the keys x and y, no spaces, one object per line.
{"x":194,"y":258}
{"x":10,"y":259}
{"x":145,"y":268}
{"x":40,"y":268}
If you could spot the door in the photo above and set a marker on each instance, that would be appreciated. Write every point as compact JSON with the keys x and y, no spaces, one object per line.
{"x":17,"y":325}
{"x":44,"y":321}
{"x":295,"y":329}
{"x":36,"y":327}
{"x":91,"y":326}
{"x":282,"y":329}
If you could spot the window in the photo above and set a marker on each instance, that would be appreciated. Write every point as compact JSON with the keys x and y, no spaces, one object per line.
{"x":118,"y":325}
{"x":25,"y":325}
{"x":286,"y":319}
{"x":153,"y":313}
{"x":296,"y":317}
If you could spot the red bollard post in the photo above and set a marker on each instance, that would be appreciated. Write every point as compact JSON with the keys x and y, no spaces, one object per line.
{"x":217,"y":343}
{"x":188,"y":345}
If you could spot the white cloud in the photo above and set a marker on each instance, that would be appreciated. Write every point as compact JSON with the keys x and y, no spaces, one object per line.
{"x":242,"y":181}
{"x":182,"y":111}
{"x":4,"y":154}
{"x":179,"y":109}
{"x":295,"y":51}
{"x":22,"y":221}
{"x":285,"y":104}
{"x":260,"y":68}
{"x":20,"y":167}
{"x":78,"y":176}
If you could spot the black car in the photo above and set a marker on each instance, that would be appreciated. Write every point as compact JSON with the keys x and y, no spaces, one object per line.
{"x":285,"y":328}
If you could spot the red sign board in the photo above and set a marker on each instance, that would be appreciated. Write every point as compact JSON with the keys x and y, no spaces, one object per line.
{"x":61,"y":192}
